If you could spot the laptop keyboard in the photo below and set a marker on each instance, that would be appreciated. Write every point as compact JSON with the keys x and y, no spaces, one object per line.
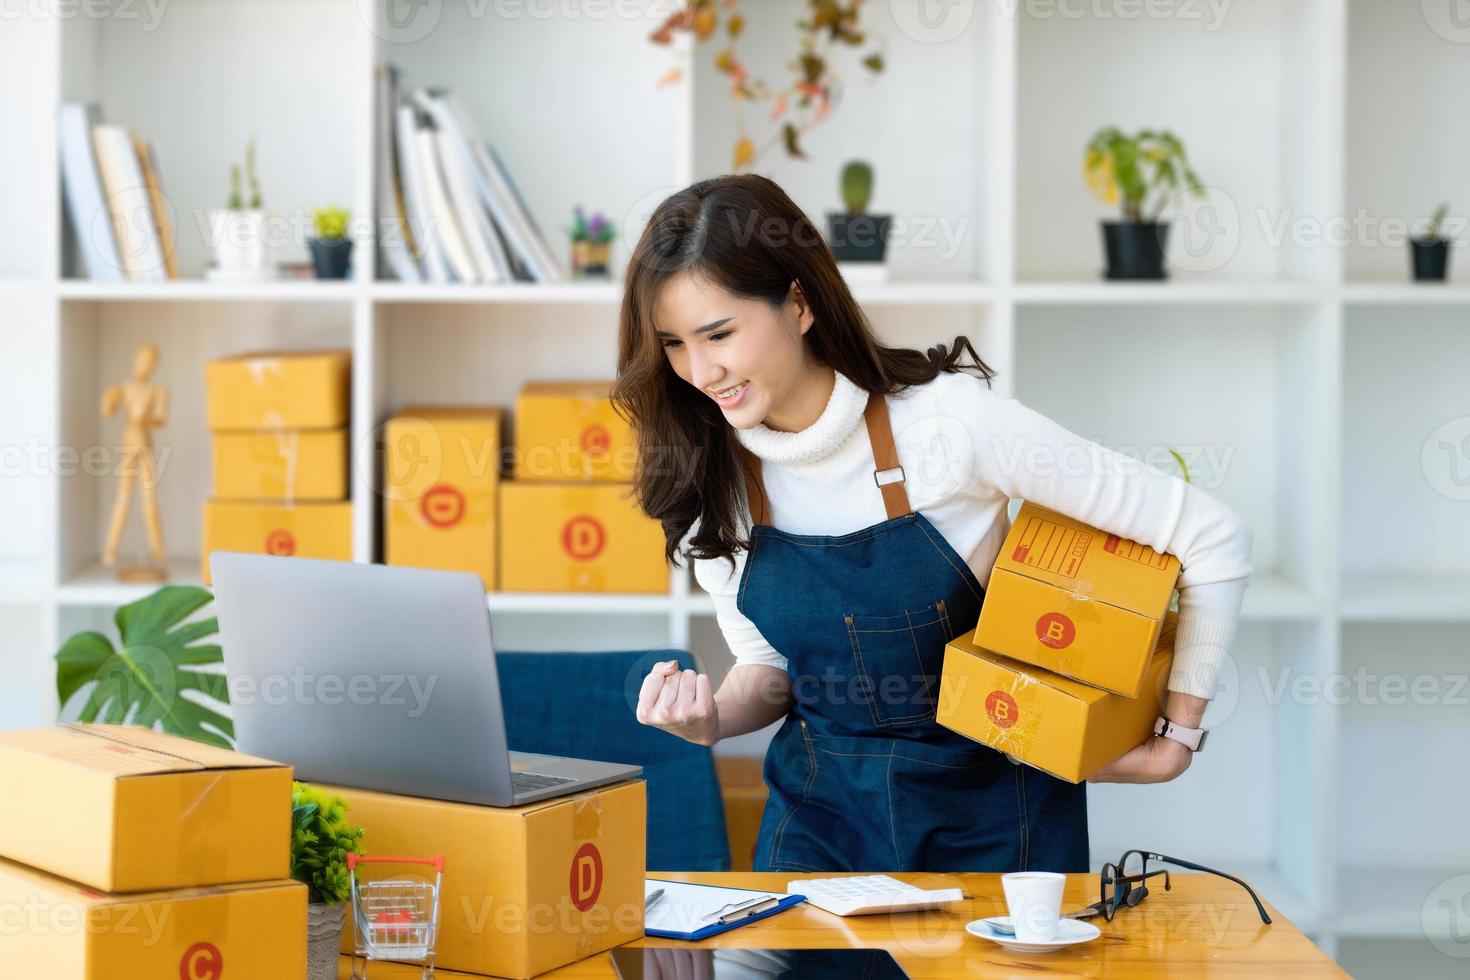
{"x":525,"y":782}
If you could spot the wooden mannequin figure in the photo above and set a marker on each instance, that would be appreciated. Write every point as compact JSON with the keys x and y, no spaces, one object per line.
{"x":145,"y":408}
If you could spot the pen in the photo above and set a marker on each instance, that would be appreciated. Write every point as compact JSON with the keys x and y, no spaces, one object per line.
{"x":648,"y":902}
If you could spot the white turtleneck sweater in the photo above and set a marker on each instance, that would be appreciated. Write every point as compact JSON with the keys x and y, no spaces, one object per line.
{"x":965,"y":451}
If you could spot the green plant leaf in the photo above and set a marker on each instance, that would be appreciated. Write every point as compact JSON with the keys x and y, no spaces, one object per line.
{"x":144,"y":681}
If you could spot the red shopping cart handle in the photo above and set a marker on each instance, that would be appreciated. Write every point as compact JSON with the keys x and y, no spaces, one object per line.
{"x":353,"y":860}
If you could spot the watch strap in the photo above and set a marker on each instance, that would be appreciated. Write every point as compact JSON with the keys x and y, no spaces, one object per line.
{"x":1191,"y":738}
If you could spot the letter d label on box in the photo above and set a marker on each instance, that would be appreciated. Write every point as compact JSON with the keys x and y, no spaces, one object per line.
{"x":586,"y":877}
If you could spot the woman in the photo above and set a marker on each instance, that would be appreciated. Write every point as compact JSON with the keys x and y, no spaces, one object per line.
{"x":843,"y":503}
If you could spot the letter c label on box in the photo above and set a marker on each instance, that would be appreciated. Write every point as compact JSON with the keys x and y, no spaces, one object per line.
{"x":202,"y":961}
{"x":280,"y":542}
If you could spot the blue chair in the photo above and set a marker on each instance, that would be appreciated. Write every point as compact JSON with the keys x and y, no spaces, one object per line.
{"x":581,"y":705}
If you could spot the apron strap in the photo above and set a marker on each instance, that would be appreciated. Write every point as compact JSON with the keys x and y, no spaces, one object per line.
{"x":887,"y":472}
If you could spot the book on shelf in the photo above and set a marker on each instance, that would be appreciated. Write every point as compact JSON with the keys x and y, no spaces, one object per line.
{"x":453,"y":213}
{"x":86,"y":205}
{"x":162,"y":218}
{"x":128,"y":203}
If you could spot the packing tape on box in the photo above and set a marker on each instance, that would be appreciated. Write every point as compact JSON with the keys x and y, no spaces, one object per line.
{"x":1017,"y":736}
{"x":204,"y":851}
{"x":587,"y":826}
{"x":199,"y":930}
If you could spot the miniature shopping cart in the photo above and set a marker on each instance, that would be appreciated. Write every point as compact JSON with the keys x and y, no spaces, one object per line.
{"x":395,"y":918}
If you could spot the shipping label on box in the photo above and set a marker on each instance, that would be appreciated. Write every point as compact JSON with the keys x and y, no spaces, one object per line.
{"x":441,"y":469}
{"x":284,"y":465}
{"x":526,"y":889}
{"x":578,"y":537}
{"x":124,"y":808}
{"x":279,"y":390}
{"x":57,"y":929}
{"x":569,"y":430}
{"x":307,"y":530}
{"x":1076,"y":601}
{"x":1054,"y":723}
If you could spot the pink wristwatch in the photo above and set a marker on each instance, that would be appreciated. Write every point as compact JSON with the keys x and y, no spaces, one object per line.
{"x":1191,"y":738}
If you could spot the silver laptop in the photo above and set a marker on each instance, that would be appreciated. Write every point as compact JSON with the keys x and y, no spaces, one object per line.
{"x":377,"y":677}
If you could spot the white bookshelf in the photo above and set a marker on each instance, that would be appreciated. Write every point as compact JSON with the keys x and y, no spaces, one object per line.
{"x":1315,"y":373}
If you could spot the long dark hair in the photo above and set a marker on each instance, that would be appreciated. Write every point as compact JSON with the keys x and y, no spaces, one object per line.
{"x":742,"y":233}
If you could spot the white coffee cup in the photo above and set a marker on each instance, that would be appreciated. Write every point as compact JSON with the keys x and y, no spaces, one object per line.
{"x":1034,"y":899}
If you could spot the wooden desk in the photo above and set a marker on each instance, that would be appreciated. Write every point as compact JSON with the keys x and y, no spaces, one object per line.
{"x":1204,"y":927}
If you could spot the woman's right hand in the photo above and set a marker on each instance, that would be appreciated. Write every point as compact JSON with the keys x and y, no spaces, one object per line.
{"x":679,"y":702}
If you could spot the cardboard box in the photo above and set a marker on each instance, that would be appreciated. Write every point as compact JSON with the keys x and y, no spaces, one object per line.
{"x":308,"y":530}
{"x":568,"y":430}
{"x":1054,"y":723}
{"x":441,"y":470}
{"x":57,"y":929}
{"x":578,"y":537}
{"x":128,"y":809}
{"x":286,"y":465}
{"x":279,"y":390}
{"x":526,"y":889}
{"x":1076,"y":601}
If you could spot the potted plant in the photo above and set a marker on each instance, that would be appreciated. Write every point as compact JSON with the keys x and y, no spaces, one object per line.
{"x":1131,"y":169}
{"x":1430,"y":252}
{"x":321,"y":839}
{"x":238,"y":230}
{"x":858,"y":235}
{"x":143,"y":682}
{"x":331,"y":249}
{"x":591,"y":244}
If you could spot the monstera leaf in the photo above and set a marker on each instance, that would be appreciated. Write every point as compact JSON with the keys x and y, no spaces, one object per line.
{"x":144,"y":682}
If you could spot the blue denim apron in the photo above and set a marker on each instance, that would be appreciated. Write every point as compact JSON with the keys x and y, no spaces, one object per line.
{"x":861,"y":776}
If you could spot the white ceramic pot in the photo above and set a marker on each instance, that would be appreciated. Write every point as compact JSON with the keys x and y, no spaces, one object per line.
{"x":238,"y":237}
{"x":323,"y":937}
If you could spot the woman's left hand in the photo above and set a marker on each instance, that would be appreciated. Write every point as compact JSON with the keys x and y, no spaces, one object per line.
{"x":1156,"y":761}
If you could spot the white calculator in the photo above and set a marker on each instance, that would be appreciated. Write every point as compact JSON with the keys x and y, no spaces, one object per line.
{"x":868,"y":894}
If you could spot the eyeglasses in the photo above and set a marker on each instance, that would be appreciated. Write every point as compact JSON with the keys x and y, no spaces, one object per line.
{"x":1123,"y":886}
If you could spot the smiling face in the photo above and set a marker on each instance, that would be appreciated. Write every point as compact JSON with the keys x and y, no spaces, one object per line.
{"x":747,"y":357}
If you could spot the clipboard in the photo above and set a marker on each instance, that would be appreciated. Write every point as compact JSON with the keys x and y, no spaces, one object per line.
{"x":693,"y":912}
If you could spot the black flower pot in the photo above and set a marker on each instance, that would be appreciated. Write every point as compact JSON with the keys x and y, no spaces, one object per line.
{"x":857,"y":237}
{"x":1135,"y":249}
{"x":1431,"y":258}
{"x":331,"y":257}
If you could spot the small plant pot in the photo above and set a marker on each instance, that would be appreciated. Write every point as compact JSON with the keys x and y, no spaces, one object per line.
{"x":591,"y":259}
{"x":858,"y":236}
{"x":1135,"y":249}
{"x":1431,"y":258}
{"x":331,"y":257}
{"x":324,"y":925}
{"x":238,"y":238}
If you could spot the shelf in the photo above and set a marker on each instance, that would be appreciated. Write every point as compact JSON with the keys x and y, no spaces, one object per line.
{"x":1220,"y":291}
{"x":1389,"y":902}
{"x":1405,"y":597}
{"x":522,"y":292}
{"x":98,"y":584}
{"x":1390,"y":293}
{"x":598,"y":603}
{"x":191,"y":290}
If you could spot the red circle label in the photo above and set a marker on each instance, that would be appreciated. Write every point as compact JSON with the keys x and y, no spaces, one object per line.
{"x":442,"y":505}
{"x":1055,"y":630}
{"x":280,"y":542}
{"x":202,"y":961}
{"x":585,"y":881}
{"x":583,"y":537}
{"x":595,"y":440}
{"x":1001,"y":708}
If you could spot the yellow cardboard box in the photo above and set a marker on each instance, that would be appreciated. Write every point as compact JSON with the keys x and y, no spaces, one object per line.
{"x":578,"y":537}
{"x":285,"y":464}
{"x":526,"y":889}
{"x":57,"y":929}
{"x":279,"y":390}
{"x":308,"y":530}
{"x":1054,"y":723}
{"x":569,"y":430}
{"x":440,"y":473}
{"x":1076,"y":600}
{"x":127,"y":809}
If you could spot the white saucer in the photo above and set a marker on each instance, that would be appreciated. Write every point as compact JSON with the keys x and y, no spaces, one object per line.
{"x":1070,"y":932}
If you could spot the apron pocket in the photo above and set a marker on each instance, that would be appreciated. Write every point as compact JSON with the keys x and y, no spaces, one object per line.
{"x":896,"y":662}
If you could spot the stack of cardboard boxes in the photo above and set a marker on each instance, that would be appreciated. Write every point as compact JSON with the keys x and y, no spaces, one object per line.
{"x":570,"y":520}
{"x":1067,"y":668}
{"x":134,"y":854}
{"x":280,"y":455}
